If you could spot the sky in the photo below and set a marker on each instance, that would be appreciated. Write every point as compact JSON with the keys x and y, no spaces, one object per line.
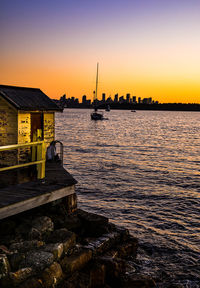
{"x":148,"y":48}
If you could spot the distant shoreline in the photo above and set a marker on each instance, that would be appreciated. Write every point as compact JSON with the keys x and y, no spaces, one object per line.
{"x":161,"y":107}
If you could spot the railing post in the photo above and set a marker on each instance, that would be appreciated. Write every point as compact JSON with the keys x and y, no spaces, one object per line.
{"x":44,"y":160}
{"x":41,"y":155}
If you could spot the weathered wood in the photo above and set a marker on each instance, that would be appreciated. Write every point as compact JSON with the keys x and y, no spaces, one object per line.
{"x":35,"y":201}
{"x":18,"y":198}
{"x":8,"y":131}
{"x":49,"y":127}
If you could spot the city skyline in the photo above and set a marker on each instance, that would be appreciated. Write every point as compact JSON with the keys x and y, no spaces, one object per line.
{"x":128,"y":98}
{"x":148,"y":47}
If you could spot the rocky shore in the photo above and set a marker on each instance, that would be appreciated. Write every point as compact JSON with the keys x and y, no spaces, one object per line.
{"x":50,"y":247}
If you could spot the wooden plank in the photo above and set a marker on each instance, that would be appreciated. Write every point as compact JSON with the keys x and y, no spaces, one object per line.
{"x":35,"y":201}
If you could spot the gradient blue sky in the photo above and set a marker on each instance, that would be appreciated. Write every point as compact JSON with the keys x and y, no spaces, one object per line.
{"x":147,"y":48}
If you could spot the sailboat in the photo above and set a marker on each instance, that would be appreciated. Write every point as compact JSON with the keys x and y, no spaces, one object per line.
{"x":96,"y":115}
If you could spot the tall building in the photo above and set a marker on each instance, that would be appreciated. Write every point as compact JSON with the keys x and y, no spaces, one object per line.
{"x":103,"y":97}
{"x":121,"y":99}
{"x":134,"y":99}
{"x":84,"y":99}
{"x":116,"y":98}
{"x":139,"y":100}
{"x":128,"y":97}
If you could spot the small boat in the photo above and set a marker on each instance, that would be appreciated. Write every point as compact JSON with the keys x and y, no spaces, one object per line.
{"x":96,"y":115}
{"x":133,"y":111}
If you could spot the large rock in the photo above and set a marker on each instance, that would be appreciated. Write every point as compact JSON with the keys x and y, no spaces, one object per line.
{"x":76,"y":262}
{"x":56,"y":249}
{"x":115,"y":268}
{"x":25,"y":246}
{"x":15,"y":260}
{"x":124,"y":233}
{"x":43,"y":225}
{"x":73,"y":223}
{"x":97,"y":275}
{"x":63,"y":236}
{"x":94,"y":225}
{"x":32,"y":283}
{"x":78,"y":280}
{"x":20,"y":275}
{"x":128,"y":249}
{"x":52,"y":275}
{"x":103,"y":243}
{"x":37,"y":260}
{"x":4,"y":266}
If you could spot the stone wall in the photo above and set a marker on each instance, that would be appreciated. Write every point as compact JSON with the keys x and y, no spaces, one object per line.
{"x":50,"y":247}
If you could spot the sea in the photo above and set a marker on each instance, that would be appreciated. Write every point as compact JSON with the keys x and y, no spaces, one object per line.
{"x":141,"y":170}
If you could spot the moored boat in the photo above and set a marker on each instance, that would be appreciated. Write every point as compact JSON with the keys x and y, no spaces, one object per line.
{"x":96,"y":115}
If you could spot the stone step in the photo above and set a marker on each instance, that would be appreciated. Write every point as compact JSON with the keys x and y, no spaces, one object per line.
{"x":77,"y":261}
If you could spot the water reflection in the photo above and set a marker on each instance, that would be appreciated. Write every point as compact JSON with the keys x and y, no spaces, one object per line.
{"x":141,"y":170}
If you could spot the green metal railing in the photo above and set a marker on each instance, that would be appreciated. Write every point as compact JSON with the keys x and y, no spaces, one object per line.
{"x":38,"y":157}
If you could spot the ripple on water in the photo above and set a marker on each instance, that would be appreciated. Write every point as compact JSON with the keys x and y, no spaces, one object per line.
{"x":142,"y":171}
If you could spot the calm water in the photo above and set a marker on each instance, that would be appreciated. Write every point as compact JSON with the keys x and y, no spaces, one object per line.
{"x":142,"y":171}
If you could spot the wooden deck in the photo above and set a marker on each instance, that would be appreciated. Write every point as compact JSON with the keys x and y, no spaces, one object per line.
{"x":18,"y":198}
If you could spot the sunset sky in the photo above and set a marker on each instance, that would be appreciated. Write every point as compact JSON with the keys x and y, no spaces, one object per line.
{"x":149,"y":48}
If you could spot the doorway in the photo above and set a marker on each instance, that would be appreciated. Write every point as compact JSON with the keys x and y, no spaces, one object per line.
{"x":36,"y":127}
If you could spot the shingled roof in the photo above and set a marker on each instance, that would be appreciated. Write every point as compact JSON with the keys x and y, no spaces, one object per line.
{"x":29,"y":99}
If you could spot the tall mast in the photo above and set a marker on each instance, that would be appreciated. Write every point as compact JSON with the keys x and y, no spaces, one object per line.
{"x":97,"y":81}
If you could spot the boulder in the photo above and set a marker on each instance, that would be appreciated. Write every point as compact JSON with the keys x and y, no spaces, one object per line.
{"x":77,"y":280}
{"x":32,"y":283}
{"x":102,"y":244}
{"x":124,"y":233}
{"x":20,"y":275}
{"x":25,"y":246}
{"x":34,"y":234}
{"x":56,"y":249}
{"x":15,"y":260}
{"x":94,"y":225}
{"x":43,"y":224}
{"x":97,"y":275}
{"x":128,"y":249}
{"x":73,"y":223}
{"x":52,"y":275}
{"x":63,"y":236}
{"x":115,"y":268}
{"x":4,"y":266}
{"x":76,"y":261}
{"x":37,"y":260}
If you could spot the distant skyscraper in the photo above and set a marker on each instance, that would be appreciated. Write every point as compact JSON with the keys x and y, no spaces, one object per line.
{"x":121,"y":99}
{"x":128,"y":97}
{"x":84,"y":99}
{"x":139,"y":100}
{"x":116,"y":98}
{"x":150,"y":100}
{"x":103,"y":97}
{"x":145,"y":101}
{"x":109,"y":100}
{"x":134,"y":99}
